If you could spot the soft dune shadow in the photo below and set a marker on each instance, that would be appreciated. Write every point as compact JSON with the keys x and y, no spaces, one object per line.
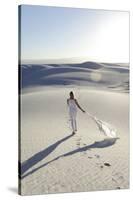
{"x":37,"y":75}
{"x":39,"y":156}
{"x":100,"y":144}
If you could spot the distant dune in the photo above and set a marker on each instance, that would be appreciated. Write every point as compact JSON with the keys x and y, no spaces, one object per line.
{"x":104,"y":75}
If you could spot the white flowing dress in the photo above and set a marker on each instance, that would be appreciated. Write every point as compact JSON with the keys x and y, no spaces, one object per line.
{"x":72,"y":113}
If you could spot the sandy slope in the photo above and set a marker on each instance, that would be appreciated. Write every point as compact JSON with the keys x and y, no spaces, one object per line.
{"x":55,"y":161}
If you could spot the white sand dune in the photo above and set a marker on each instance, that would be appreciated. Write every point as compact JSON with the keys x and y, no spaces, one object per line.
{"x":52,"y":160}
{"x":92,"y":74}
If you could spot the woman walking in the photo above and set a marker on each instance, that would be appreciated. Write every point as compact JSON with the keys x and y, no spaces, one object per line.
{"x":73,"y":105}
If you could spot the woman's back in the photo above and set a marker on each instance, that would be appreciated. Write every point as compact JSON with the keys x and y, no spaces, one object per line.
{"x":72,"y":104}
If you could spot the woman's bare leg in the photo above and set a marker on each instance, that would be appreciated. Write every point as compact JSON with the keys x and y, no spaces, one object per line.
{"x":73,"y":126}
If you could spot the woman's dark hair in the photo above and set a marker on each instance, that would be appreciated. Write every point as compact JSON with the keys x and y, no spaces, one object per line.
{"x":71,"y":93}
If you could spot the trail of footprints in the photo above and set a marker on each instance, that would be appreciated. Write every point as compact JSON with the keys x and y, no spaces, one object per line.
{"x":117,"y":177}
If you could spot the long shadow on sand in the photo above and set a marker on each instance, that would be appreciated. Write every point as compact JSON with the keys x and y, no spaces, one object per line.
{"x":40,"y":156}
{"x":100,"y":144}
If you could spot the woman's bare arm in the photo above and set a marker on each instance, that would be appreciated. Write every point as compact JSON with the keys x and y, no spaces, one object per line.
{"x":67,"y":101}
{"x":79,"y":105}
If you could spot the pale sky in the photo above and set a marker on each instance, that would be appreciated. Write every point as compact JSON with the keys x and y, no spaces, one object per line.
{"x":50,"y":33}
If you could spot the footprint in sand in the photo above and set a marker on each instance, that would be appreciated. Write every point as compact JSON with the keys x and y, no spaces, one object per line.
{"x":107,"y":164}
{"x":90,"y":157}
{"x":97,"y":156}
{"x":78,"y":145}
{"x":101,"y":164}
{"x":78,"y":142}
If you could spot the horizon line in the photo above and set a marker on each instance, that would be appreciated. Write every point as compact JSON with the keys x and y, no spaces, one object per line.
{"x":71,"y":60}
